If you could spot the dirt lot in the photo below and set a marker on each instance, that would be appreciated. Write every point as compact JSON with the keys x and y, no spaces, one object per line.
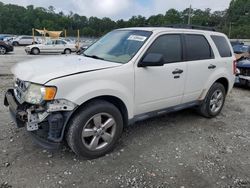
{"x":176,"y":150}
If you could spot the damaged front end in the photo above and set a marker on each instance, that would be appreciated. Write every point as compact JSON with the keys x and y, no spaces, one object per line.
{"x":243,"y":72}
{"x":46,"y":121}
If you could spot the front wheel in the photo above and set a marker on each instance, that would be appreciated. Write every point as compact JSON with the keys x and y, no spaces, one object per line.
{"x":35,"y":51}
{"x":214,"y":101}
{"x":2,"y":50}
{"x":15,"y":43}
{"x":95,"y":129}
{"x":67,"y":51}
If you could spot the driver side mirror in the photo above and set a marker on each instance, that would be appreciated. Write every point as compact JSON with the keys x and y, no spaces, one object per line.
{"x":151,"y":60}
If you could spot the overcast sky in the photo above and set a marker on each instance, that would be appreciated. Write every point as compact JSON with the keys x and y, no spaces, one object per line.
{"x":122,"y":9}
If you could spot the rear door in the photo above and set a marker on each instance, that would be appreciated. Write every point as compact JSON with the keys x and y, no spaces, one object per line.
{"x":201,"y":64}
{"x":26,"y":40}
{"x":60,"y":46}
{"x":161,"y":87}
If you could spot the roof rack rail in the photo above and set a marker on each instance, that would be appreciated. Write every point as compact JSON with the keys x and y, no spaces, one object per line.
{"x":183,"y":26}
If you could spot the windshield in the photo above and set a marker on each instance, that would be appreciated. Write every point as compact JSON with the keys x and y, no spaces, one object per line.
{"x":118,"y":46}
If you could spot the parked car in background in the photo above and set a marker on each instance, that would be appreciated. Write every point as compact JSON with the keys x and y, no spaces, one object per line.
{"x":69,"y":40}
{"x":81,"y":49}
{"x":51,"y":46}
{"x":234,"y":43}
{"x":9,"y":39}
{"x":243,"y":72}
{"x":241,"y":51}
{"x":2,"y":37}
{"x":5,"y":47}
{"x":24,"y":41}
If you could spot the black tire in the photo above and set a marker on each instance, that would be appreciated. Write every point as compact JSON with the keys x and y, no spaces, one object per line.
{"x":205,"y":108}
{"x":67,"y":51}
{"x":2,"y":50}
{"x":15,"y":44}
{"x":35,"y":51}
{"x":82,"y":118}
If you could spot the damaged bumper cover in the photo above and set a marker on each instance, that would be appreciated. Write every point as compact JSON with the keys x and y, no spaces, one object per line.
{"x":46,"y":122}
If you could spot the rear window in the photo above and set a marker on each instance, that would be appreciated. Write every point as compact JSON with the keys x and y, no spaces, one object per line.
{"x":222,"y":46}
{"x":197,"y":48}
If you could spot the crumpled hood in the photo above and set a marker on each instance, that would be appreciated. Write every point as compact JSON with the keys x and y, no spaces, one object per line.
{"x":44,"y":69}
{"x":244,"y":63}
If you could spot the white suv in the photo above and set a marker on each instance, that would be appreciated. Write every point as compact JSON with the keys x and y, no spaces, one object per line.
{"x":128,"y":75}
{"x":25,"y":40}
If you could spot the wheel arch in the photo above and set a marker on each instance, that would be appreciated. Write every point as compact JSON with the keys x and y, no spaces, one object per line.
{"x":35,"y":48}
{"x":224,"y":81}
{"x":117,"y":102}
{"x":67,"y":49}
{"x":4,"y":48}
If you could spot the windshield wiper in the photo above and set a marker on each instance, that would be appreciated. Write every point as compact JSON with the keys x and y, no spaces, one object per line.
{"x":93,"y":56}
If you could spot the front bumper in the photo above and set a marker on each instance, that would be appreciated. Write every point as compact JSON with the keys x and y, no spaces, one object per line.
{"x":242,"y":80}
{"x":244,"y":77}
{"x":17,"y":113}
{"x":10,"y":49}
{"x":28,"y":51}
{"x":48,"y":131}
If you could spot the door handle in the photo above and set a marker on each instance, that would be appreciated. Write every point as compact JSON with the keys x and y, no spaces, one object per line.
{"x":177,"y":71}
{"x":211,"y":66}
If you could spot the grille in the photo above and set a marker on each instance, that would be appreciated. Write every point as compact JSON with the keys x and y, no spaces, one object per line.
{"x":20,"y":88}
{"x":245,"y":72}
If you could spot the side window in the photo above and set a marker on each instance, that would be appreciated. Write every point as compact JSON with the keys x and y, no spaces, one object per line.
{"x":27,"y":38}
{"x":197,"y":48}
{"x":169,"y":46}
{"x":60,"y":42}
{"x":222,"y":46}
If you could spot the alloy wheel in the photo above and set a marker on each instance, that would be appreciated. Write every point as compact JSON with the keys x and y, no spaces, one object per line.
{"x":216,"y":101}
{"x":99,"y":131}
{"x":2,"y":50}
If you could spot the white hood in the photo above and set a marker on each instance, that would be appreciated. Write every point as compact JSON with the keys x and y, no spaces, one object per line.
{"x":44,"y":69}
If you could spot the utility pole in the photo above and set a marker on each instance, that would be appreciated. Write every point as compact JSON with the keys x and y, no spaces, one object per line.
{"x":189,"y":15}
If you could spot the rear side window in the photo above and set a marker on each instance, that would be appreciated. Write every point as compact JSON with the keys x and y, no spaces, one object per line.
{"x":60,"y":42}
{"x":197,"y":48}
{"x":27,"y":38}
{"x":222,"y":46}
{"x":169,"y":46}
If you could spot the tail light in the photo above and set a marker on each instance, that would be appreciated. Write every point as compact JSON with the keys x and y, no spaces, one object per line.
{"x":234,"y":67}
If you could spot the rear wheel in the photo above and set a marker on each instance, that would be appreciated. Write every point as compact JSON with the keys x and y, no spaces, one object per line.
{"x":67,"y":51}
{"x":2,"y":50}
{"x":214,"y":101}
{"x":35,"y":51}
{"x":15,"y":44}
{"x":95,"y":129}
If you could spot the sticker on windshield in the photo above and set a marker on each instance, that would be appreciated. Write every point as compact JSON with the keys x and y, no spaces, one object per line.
{"x":137,"y":38}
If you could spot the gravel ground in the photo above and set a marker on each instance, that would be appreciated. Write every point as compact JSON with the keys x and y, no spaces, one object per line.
{"x":176,"y":150}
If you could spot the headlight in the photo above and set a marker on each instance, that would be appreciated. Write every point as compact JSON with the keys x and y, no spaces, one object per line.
{"x":37,"y":93}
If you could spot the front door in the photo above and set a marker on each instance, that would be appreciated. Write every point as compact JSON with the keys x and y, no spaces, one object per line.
{"x":161,"y":87}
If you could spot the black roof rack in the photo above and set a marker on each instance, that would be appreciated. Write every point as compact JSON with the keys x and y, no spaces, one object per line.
{"x":183,"y":26}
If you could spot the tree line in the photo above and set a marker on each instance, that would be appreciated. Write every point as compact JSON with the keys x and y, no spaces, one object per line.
{"x":14,"y":19}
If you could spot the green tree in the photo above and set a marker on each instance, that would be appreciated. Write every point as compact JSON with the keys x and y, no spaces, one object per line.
{"x":20,"y":20}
